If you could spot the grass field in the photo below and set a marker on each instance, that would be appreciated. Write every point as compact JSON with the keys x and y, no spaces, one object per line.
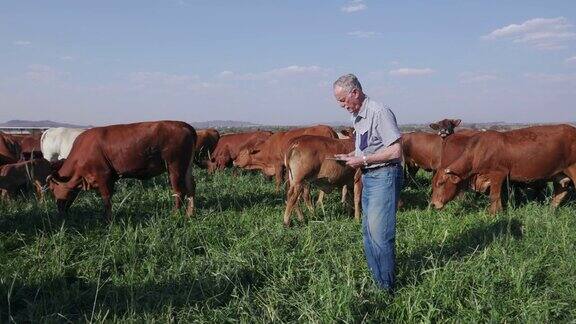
{"x":235,"y":262}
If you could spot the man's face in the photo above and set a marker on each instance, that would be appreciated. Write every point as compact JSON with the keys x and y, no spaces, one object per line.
{"x":350,"y":100}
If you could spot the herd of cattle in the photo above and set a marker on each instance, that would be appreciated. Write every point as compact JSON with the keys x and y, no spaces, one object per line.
{"x":67,"y":161}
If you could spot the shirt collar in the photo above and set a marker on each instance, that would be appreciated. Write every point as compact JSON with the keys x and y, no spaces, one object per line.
{"x":362,"y":111}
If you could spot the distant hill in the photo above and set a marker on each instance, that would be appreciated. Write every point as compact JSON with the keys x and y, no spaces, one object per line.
{"x":39,"y":123}
{"x":223,"y":124}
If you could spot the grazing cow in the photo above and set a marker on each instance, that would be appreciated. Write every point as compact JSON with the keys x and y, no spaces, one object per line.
{"x":230,"y":145}
{"x":306,"y":164}
{"x":22,"y":174}
{"x":269,"y":156}
{"x":102,"y":155}
{"x":56,"y":143}
{"x":9,"y":149}
{"x":205,"y":145}
{"x":523,"y":155}
{"x":452,"y":147}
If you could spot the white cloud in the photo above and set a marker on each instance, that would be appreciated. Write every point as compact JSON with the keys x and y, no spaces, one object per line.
{"x":161,"y":78}
{"x":540,"y":33}
{"x":571,"y":59}
{"x":274,"y":74}
{"x":22,"y":43}
{"x":43,"y":73}
{"x":552,"y":78}
{"x":353,"y":6}
{"x":363,"y":34}
{"x":477,"y":77}
{"x":411,"y":72}
{"x":66,"y":58}
{"x":225,"y":74}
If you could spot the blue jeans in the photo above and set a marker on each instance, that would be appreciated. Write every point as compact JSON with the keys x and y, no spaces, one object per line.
{"x":380,"y":194}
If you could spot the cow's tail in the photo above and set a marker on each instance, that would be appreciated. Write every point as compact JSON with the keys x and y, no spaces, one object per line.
{"x":287,"y":158}
{"x":189,"y":177}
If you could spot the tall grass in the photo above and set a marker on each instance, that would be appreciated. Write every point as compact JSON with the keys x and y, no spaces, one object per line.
{"x":235,"y":262}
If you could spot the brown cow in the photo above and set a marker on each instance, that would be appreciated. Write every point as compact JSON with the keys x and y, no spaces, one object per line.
{"x":102,"y":155}
{"x":523,"y":155}
{"x":9,"y":149}
{"x":269,"y":156}
{"x":205,"y":144}
{"x":452,"y":147}
{"x":423,"y":150}
{"x":230,"y":145}
{"x":306,"y":164}
{"x":29,"y":147}
{"x":22,"y":174}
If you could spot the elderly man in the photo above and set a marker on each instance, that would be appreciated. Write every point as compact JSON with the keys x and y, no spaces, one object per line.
{"x":378,"y":153}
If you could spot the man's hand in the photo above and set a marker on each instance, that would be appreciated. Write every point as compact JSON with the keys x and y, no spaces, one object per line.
{"x":353,"y":161}
{"x":344,"y":156}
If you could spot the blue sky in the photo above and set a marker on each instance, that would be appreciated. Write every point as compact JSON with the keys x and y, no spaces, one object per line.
{"x":274,"y":62}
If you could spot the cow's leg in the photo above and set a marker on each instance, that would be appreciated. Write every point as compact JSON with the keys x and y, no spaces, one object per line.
{"x":190,"y":190}
{"x":291,"y":200}
{"x":496,"y":182}
{"x":106,"y":188}
{"x":308,"y":198}
{"x":320,"y":201}
{"x":278,"y":175}
{"x":176,"y":174}
{"x":349,"y":201}
{"x":344,"y":193}
{"x":357,"y":198}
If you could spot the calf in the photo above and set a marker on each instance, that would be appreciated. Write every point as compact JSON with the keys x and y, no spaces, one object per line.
{"x":230,"y":145}
{"x":102,"y":155}
{"x":306,"y":163}
{"x":269,"y":156}
{"x":24,"y":174}
{"x":524,"y":155}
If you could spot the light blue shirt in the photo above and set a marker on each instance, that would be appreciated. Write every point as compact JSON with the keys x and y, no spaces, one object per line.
{"x":376,"y":128}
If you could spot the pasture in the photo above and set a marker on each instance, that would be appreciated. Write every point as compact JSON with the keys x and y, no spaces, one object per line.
{"x":234,"y":261}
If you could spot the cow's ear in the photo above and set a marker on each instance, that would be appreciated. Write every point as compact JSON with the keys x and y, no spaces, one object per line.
{"x":454,"y":178}
{"x":455,"y":122}
{"x":435,"y":126}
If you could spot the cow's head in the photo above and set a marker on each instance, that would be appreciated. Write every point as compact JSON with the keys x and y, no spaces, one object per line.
{"x":445,"y":127}
{"x":348,"y":132}
{"x":445,"y":186}
{"x":64,"y":190}
{"x":244,"y":158}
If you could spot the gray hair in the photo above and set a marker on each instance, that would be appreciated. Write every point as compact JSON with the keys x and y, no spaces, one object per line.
{"x":348,"y":82}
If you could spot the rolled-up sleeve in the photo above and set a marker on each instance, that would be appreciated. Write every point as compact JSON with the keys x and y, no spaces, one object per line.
{"x":387,"y":127}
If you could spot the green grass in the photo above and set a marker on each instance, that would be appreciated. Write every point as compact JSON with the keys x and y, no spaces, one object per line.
{"x":235,"y":262}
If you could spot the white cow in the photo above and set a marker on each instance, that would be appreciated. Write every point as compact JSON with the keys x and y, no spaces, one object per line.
{"x":56,"y":143}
